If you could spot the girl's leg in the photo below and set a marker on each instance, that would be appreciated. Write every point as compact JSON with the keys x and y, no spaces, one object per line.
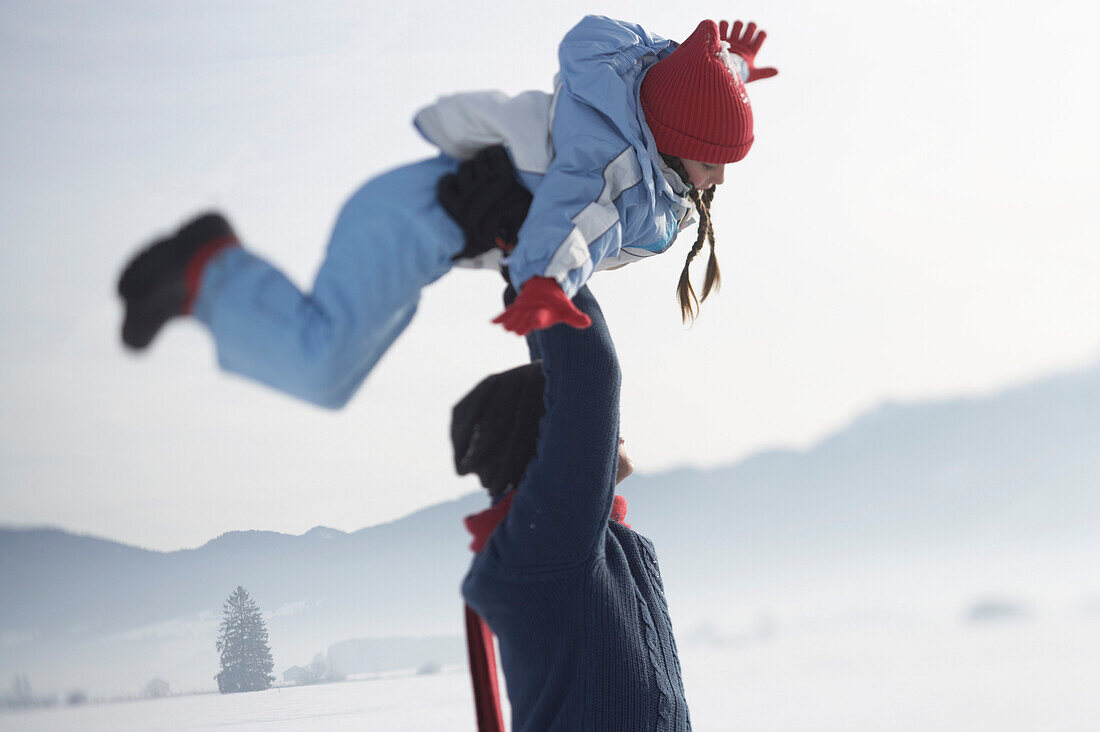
{"x":391,"y":239}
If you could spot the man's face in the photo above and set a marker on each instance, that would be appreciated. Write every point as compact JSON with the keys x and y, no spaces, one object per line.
{"x":626,"y":465}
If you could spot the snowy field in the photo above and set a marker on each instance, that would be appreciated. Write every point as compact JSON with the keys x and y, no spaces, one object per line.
{"x":859,"y":673}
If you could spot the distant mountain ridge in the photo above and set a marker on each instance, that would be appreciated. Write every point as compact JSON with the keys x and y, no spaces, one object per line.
{"x":963,"y":475}
{"x":1021,"y":465}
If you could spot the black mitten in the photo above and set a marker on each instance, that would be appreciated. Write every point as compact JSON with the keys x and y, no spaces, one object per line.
{"x":485,"y":198}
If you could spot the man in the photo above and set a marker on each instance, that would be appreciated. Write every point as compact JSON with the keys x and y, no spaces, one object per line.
{"x":573,"y":595}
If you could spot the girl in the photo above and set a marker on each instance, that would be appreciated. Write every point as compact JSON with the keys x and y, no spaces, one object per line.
{"x":636,"y":134}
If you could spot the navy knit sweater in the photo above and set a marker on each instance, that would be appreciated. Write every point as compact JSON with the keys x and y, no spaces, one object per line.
{"x":576,"y":601}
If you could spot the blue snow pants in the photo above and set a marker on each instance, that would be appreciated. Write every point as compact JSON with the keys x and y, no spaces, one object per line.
{"x":391,"y":239}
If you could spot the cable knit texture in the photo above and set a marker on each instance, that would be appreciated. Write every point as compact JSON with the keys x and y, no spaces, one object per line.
{"x":576,"y":601}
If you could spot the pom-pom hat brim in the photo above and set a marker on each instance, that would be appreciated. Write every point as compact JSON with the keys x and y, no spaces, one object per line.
{"x":681,"y":145}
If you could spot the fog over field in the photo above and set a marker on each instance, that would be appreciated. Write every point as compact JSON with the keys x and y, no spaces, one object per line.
{"x":932,"y":565}
{"x":857,"y":672}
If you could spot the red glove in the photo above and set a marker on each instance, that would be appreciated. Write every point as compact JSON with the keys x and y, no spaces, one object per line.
{"x":540,"y":304}
{"x":746,"y":46}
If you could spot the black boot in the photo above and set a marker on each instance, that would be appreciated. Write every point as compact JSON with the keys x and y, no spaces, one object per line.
{"x":160,"y":282}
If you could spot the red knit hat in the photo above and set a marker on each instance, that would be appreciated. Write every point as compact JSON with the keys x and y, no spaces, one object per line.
{"x":695,"y":104}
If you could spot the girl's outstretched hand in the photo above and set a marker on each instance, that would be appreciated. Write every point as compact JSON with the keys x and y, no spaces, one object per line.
{"x":746,"y":45}
{"x":540,"y":304}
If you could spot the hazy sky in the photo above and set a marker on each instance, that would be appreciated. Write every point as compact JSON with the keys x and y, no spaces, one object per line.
{"x":916,"y":219}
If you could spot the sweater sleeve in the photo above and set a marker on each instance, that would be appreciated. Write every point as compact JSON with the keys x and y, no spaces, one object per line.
{"x":564,"y":499}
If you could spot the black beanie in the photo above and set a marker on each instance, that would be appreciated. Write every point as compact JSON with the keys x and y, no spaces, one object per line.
{"x":495,"y":427}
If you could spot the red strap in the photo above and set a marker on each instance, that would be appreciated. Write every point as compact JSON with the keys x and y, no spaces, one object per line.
{"x":483,"y":671}
{"x":192,"y":274}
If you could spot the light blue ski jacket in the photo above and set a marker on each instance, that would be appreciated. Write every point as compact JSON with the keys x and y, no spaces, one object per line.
{"x":603,"y":196}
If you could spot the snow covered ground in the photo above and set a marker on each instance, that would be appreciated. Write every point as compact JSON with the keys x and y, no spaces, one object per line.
{"x":858,"y":672}
{"x":407,"y":702}
{"x":1012,"y":674}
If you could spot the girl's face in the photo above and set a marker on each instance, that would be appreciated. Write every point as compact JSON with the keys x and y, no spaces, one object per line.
{"x":704,"y":175}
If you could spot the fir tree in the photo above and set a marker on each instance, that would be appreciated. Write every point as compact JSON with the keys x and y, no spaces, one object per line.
{"x":242,"y":643}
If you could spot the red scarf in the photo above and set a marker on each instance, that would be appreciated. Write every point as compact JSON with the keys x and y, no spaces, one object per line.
{"x":479,"y":638}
